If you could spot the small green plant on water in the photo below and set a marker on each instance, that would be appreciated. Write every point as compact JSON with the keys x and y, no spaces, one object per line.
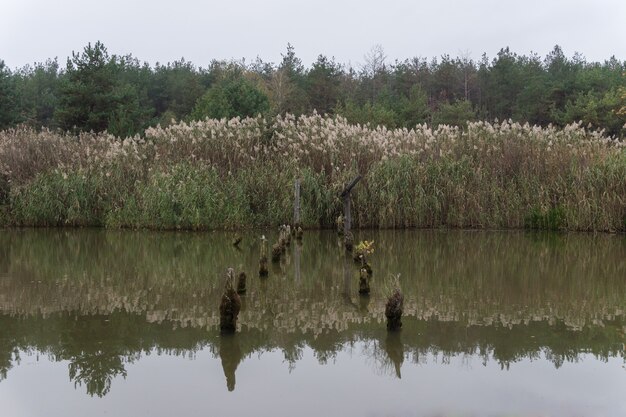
{"x":364,"y":249}
{"x":362,"y":252}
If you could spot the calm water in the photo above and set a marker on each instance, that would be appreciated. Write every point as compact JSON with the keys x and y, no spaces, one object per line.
{"x":100,"y":323}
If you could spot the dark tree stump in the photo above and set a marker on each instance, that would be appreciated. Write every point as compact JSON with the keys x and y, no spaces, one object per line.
{"x":364,"y":282}
{"x":393,"y":310}
{"x":229,"y":305}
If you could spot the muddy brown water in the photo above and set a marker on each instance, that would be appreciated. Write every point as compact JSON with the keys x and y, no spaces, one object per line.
{"x":121,"y":323}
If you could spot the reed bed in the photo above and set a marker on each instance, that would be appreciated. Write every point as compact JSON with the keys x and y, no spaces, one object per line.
{"x":237,"y":173}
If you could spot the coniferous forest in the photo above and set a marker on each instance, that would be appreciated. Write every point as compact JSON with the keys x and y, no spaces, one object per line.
{"x":515,"y":142}
{"x":97,"y":91}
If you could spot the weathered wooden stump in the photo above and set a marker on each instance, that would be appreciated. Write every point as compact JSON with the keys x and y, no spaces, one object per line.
{"x":277,"y":250}
{"x":393,"y":310}
{"x":364,"y":282}
{"x":288,"y":234}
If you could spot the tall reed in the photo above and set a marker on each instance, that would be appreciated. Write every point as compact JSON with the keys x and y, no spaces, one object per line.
{"x":239,"y":173}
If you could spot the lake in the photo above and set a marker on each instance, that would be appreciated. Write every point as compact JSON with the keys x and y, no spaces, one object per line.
{"x":126,"y":323}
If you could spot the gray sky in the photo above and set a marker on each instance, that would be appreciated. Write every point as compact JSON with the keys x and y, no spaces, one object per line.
{"x":199,"y":31}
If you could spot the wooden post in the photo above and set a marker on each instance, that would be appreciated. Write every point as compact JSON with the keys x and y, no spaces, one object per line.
{"x":347,"y":215}
{"x":296,"y":204}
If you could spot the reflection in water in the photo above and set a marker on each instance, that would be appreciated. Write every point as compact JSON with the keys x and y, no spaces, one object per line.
{"x":395,"y":350}
{"x":297,"y":252}
{"x":102,"y":299}
{"x":231,"y":356}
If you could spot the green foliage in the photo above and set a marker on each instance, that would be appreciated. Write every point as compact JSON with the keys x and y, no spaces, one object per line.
{"x":455,"y":114}
{"x":414,"y":108}
{"x":175,"y":88}
{"x":240,"y":172}
{"x":59,"y":199}
{"x":553,"y":218}
{"x":232,"y":97}
{"x":598,"y":111}
{"x":8,"y":116}
{"x":98,"y":91}
{"x":188,"y":198}
{"x":37,"y":88}
{"x":95,"y":97}
{"x":323,"y":82}
{"x":88,"y":95}
{"x":377,"y":114}
{"x":291,"y":85}
{"x":319,"y":202}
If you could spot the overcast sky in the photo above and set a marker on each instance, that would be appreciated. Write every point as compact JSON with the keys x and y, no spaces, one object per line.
{"x":166,"y":30}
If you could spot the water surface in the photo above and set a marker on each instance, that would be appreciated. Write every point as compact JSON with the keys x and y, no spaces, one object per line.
{"x":97,"y":322}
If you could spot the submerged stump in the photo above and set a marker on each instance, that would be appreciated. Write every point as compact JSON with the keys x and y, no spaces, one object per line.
{"x":276,"y":252}
{"x":288,"y":234}
{"x":263,"y":271}
{"x":364,"y":282}
{"x":229,"y":305}
{"x":393,"y":310}
{"x":241,"y":283}
{"x":367,"y":268}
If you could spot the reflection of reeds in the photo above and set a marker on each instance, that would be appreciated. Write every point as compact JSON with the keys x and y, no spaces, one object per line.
{"x":233,"y":173}
{"x":504,"y":279}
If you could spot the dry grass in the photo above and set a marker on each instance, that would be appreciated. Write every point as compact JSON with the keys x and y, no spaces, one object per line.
{"x":239,"y":173}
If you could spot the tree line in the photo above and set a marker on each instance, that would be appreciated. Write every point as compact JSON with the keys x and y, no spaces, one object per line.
{"x":98,"y":91}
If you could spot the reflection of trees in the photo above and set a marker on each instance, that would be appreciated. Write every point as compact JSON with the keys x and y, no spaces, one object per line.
{"x":501,"y":296}
{"x":98,"y":350}
{"x":387,"y":351}
{"x":97,"y":347}
{"x":96,"y":370}
{"x":7,"y":357}
{"x":484,"y":278}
